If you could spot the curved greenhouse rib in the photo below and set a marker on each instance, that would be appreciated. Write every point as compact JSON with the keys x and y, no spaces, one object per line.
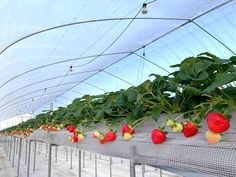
{"x":45,"y":80}
{"x":85,"y":22}
{"x":59,"y":62}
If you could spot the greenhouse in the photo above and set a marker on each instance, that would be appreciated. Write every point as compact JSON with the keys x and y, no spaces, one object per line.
{"x":118,"y":88}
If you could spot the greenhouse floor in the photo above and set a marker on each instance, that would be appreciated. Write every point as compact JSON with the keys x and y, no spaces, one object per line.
{"x":62,"y":168}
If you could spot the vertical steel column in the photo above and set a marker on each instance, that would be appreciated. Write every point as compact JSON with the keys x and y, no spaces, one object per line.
{"x":26,"y":150}
{"x":132,"y":162}
{"x":90,"y":155}
{"x":19,"y":157}
{"x":46,"y":150}
{"x":71,"y":154}
{"x":110,"y":164}
{"x":10,"y":154}
{"x":143,"y":170}
{"x":10,"y":149}
{"x":50,"y":160}
{"x":56,"y":149}
{"x":28,"y":164}
{"x":17,"y":141}
{"x":14,"y":151}
{"x":96,"y":170}
{"x":83,"y":159}
{"x":35,"y":148}
{"x":66,"y":153}
{"x":79,"y":170}
{"x":7,"y":145}
{"x":160,"y":172}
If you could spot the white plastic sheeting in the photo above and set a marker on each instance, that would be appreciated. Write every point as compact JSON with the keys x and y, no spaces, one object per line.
{"x":98,"y":39}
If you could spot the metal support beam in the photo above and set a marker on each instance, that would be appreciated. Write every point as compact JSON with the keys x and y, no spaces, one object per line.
{"x":26,"y":150}
{"x":143,"y":170}
{"x":28,"y":164}
{"x":66,"y":153}
{"x":50,"y":160}
{"x":96,"y":167}
{"x":132,"y":162}
{"x":83,"y":159}
{"x":19,"y":157}
{"x":110,"y":164}
{"x":14,"y":152}
{"x":56,"y":150}
{"x":79,"y":169}
{"x":17,"y":142}
{"x":46,"y":150}
{"x":10,"y":148}
{"x":35,"y":148}
{"x":71,"y":157}
{"x":160,"y":172}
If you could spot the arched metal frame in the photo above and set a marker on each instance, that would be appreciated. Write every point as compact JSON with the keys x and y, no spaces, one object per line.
{"x":128,"y":54}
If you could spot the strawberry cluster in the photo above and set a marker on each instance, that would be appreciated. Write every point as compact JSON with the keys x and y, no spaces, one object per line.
{"x":108,"y":137}
{"x":217,"y":124}
{"x":78,"y":136}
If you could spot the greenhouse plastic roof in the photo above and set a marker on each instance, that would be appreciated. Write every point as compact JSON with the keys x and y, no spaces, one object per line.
{"x":57,"y":51}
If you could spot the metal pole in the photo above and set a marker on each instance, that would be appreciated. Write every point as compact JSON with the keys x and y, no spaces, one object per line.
{"x":7,"y":141}
{"x":143,"y":170}
{"x":79,"y":174}
{"x":19,"y":157}
{"x":26,"y":151}
{"x":46,"y":150}
{"x":14,"y":151}
{"x":50,"y":160}
{"x":121,"y":160}
{"x":28,"y":164}
{"x":90,"y":155}
{"x":96,"y":170}
{"x":71,"y":154}
{"x":132,"y":162}
{"x":10,"y":148}
{"x":83,"y":159}
{"x":56,"y":149}
{"x":17,"y":142}
{"x":160,"y":172}
{"x":110,"y":164}
{"x":66,"y":154}
{"x":35,"y":148}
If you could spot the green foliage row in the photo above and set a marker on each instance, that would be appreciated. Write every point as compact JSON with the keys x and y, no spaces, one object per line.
{"x":200,"y":84}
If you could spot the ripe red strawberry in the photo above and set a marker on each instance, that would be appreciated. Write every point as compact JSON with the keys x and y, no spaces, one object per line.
{"x":158,"y":136}
{"x":71,"y":128}
{"x":127,"y":129}
{"x":217,"y":122}
{"x":75,"y":139}
{"x":110,"y":136}
{"x":190,"y":129}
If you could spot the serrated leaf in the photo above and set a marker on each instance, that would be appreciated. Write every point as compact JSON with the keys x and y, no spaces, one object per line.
{"x":233,"y":59}
{"x":191,"y":91}
{"x":132,"y":94}
{"x":221,"y":79}
{"x":156,"y":112}
{"x":202,"y":76}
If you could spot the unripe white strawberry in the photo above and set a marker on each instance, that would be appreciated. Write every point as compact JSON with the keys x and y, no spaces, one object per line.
{"x":178,"y":128}
{"x":127,"y":136}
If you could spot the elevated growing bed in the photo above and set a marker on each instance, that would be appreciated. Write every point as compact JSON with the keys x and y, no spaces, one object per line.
{"x":188,"y":157}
